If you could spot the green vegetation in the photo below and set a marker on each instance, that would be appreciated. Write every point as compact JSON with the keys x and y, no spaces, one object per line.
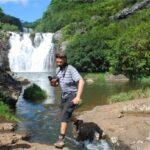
{"x":98,"y":43}
{"x":34,"y":93}
{"x":9,"y":23}
{"x":5,"y":111}
{"x":94,"y":76}
{"x":134,"y":94}
{"x":30,"y":24}
{"x":145,"y":82}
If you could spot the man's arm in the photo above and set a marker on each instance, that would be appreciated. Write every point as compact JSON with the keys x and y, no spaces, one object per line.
{"x":76,"y":100}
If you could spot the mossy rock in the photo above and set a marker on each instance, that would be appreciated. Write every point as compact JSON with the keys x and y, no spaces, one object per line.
{"x":34,"y":93}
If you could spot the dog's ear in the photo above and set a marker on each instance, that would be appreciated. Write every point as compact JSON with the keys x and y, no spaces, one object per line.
{"x":80,"y":122}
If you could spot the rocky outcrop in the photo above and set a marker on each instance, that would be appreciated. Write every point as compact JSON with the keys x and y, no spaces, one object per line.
{"x":60,"y":45}
{"x":128,"y":11}
{"x":9,"y":87}
{"x":4,"y":47}
{"x":127,"y":124}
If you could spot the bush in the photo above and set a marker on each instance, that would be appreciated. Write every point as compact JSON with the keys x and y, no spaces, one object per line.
{"x":8,"y":27}
{"x":34,"y":93}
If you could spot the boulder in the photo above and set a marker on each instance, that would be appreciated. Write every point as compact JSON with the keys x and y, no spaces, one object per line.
{"x":116,"y":78}
{"x":23,"y":80}
{"x":128,"y":11}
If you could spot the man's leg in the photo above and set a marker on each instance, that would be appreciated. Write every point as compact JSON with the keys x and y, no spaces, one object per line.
{"x":63,"y":128}
{"x":67,"y":110}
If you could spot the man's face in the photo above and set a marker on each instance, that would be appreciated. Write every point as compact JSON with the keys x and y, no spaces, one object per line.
{"x":60,"y":61}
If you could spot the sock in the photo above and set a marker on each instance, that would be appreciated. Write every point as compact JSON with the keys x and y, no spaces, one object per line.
{"x":61,"y":136}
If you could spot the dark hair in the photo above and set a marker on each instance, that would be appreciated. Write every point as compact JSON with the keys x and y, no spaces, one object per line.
{"x":61,"y":55}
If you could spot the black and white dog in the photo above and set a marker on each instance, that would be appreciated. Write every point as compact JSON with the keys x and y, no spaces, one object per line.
{"x":86,"y":131}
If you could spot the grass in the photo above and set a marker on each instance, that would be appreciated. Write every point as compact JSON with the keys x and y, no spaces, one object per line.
{"x":145,"y":81}
{"x":6,"y":114}
{"x":94,"y":76}
{"x":134,"y":94}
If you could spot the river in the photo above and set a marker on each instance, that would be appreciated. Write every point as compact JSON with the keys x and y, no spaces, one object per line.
{"x":42,"y":119}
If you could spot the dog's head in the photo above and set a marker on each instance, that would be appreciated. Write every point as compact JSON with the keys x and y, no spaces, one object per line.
{"x":86,"y":131}
{"x":76,"y":124}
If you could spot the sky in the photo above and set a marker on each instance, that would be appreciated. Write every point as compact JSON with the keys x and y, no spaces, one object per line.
{"x":25,"y":10}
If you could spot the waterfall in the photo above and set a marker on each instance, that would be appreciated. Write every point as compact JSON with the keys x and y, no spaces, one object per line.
{"x":31,"y":52}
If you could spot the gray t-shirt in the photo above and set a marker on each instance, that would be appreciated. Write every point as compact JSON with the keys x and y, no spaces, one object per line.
{"x":68,"y":78}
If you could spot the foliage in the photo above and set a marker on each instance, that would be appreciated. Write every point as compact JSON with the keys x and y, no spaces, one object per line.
{"x":94,"y":76}
{"x":34,"y":93}
{"x":8,"y":27}
{"x":9,"y":23}
{"x":97,"y":43}
{"x":30,"y":24}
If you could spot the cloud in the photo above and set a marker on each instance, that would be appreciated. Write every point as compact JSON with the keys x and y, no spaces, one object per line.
{"x":23,"y":2}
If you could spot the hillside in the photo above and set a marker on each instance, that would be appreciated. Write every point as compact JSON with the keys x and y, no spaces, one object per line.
{"x":9,"y":23}
{"x":96,"y":40}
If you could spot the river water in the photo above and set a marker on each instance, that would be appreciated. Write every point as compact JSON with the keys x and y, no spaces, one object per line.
{"x":42,"y":119}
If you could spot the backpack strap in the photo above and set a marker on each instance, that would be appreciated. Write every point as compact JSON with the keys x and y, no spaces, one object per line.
{"x":64,"y":71}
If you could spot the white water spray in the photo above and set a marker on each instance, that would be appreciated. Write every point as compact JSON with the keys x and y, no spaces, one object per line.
{"x":31,"y":53}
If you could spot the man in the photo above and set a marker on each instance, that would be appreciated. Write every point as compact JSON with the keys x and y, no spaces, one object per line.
{"x":71,"y":84}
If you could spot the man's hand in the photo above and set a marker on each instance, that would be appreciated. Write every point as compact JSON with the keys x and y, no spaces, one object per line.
{"x":76,"y":100}
{"x":54,"y":82}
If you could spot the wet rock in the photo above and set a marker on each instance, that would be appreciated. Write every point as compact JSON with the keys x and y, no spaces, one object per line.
{"x":23,"y":81}
{"x":38,"y":38}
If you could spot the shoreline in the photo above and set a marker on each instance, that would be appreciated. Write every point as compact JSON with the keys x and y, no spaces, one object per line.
{"x":126,"y":130}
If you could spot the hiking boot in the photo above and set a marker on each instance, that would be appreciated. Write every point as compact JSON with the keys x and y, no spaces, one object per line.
{"x":60,"y":143}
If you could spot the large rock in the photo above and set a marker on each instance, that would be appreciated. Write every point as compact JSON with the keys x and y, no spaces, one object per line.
{"x":4,"y":49}
{"x":57,"y":36}
{"x":9,"y":87}
{"x":129,"y":131}
{"x":60,"y":45}
{"x":128,"y":11}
